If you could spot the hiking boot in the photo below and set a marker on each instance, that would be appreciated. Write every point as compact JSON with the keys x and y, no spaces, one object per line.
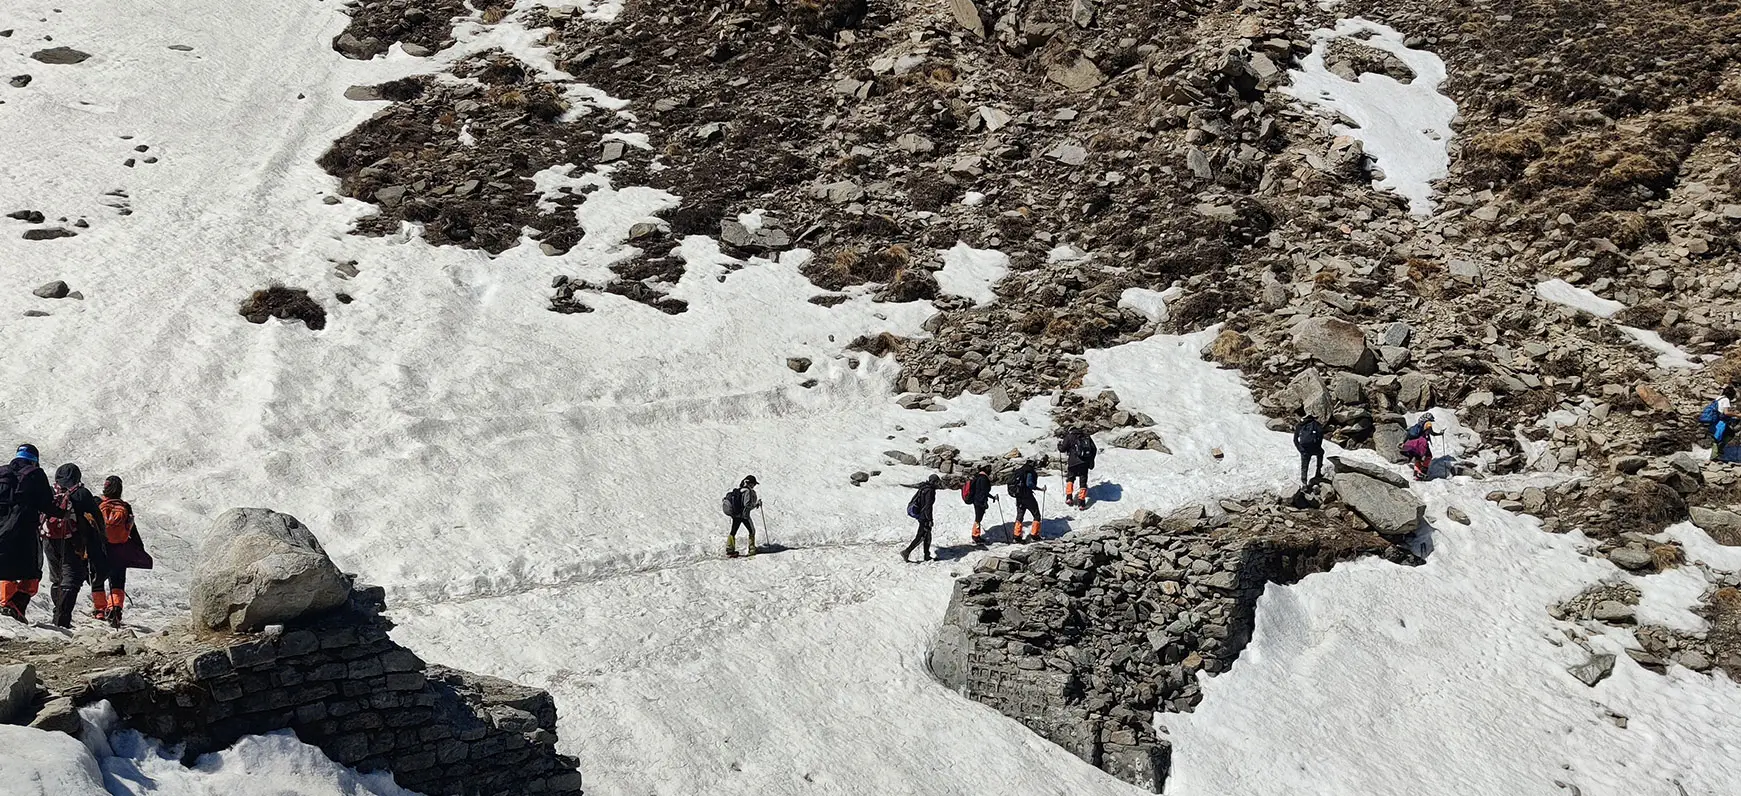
{"x":751,"y":552}
{"x":114,"y":617}
{"x":10,"y":612}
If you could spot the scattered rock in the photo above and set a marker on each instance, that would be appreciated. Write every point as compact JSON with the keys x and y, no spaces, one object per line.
{"x":60,"y":56}
{"x":19,"y":81}
{"x":1142,"y":439}
{"x":1631,"y":558}
{"x":798,"y":364}
{"x":58,"y":715}
{"x":53,"y":290}
{"x":1613,"y":611}
{"x":1373,"y":471}
{"x":50,"y":233}
{"x":1595,"y":670}
{"x":258,"y":567}
{"x":27,"y":216}
{"x":283,"y":302}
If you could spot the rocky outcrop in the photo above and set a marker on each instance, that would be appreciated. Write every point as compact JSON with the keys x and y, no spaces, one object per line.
{"x":258,"y":567}
{"x":1390,"y":510}
{"x":17,"y":692}
{"x":270,"y":650}
{"x":1083,"y":639}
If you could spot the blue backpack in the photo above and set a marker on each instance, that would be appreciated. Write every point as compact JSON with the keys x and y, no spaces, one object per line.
{"x":1711,"y":415}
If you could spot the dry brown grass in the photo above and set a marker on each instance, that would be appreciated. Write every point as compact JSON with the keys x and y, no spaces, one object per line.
{"x":494,"y":14}
{"x":1667,"y":556}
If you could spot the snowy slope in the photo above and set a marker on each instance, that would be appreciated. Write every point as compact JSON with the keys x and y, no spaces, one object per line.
{"x":538,"y":491}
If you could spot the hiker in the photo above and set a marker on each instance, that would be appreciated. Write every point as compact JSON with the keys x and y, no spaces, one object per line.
{"x":1023,"y":484}
{"x":1417,"y":445}
{"x":1309,"y":441}
{"x":977,"y":493}
{"x":124,"y":551}
{"x":738,"y":505}
{"x":25,"y":496}
{"x":1079,"y":452}
{"x":920,"y":508}
{"x":1719,"y":418}
{"x":74,"y":541}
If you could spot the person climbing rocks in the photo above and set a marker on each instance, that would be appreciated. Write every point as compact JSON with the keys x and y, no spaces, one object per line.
{"x":1719,"y":420}
{"x":74,"y":540}
{"x":977,"y":493}
{"x":1309,"y":441}
{"x":738,"y":505}
{"x":25,"y":496}
{"x":920,"y":508}
{"x":1079,"y":452}
{"x":1023,"y":484}
{"x":124,"y":550}
{"x":1417,"y":445}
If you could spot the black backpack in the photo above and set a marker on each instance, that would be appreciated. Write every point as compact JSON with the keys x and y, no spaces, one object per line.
{"x":1308,"y":435}
{"x":733,"y":503}
{"x":8,"y":487}
{"x":1084,"y":449}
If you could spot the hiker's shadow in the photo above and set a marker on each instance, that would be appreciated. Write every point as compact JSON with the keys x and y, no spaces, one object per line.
{"x":954,"y":551}
{"x":1105,"y":492}
{"x":1054,"y":528}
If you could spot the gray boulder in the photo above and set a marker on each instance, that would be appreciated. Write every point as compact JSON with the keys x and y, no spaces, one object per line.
{"x":1306,"y":391}
{"x":59,"y":715}
{"x":17,"y":692}
{"x":1387,"y":438}
{"x":258,"y":567}
{"x":1336,"y":343}
{"x":1594,"y":670}
{"x":1390,"y":510}
{"x":1723,"y":525}
{"x":1346,"y":465}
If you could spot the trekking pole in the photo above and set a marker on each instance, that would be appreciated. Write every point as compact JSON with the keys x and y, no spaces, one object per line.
{"x":766,"y":528}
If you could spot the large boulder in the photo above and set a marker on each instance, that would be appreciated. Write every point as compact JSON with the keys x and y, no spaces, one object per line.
{"x":1391,"y":511}
{"x":257,"y":568}
{"x":17,"y":692}
{"x":1306,"y":391}
{"x":1336,"y":343}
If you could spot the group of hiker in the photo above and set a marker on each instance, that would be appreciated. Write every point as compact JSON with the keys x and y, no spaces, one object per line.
{"x":1079,"y":451}
{"x":1022,"y":485}
{"x":86,"y":540}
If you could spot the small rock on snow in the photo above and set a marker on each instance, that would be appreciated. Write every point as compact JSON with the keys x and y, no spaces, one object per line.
{"x":1630,"y":558}
{"x":1594,"y":670}
{"x":53,"y":290}
{"x":60,"y":56}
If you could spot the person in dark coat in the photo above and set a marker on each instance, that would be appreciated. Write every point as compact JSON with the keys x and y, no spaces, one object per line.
{"x":1023,"y":484}
{"x":25,"y":496}
{"x":979,"y":496}
{"x":1079,"y":452}
{"x":74,"y":539}
{"x":920,"y":508}
{"x":747,"y":501}
{"x":1309,"y":441}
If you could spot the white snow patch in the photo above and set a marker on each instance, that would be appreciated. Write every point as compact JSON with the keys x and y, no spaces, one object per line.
{"x":38,"y":763}
{"x":1668,"y":597}
{"x":1065,"y":253}
{"x":1559,"y":291}
{"x":465,"y":136}
{"x":1452,"y":678}
{"x":972,"y":273}
{"x":1406,"y":128}
{"x":973,"y":199}
{"x":1699,"y":546}
{"x":1668,"y":355}
{"x":636,"y":140}
{"x":1151,"y":303}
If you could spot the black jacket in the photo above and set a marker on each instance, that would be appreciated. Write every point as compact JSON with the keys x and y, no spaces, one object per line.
{"x":21,"y":519}
{"x":979,"y":489}
{"x":922,"y":502}
{"x":1075,"y":454}
{"x":89,"y":538}
{"x":1023,"y":482}
{"x":1309,"y":436}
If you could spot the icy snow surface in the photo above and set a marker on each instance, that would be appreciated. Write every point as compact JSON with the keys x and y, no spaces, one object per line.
{"x":538,"y":492}
{"x":972,"y":273}
{"x":1406,"y":128}
{"x":1559,"y":291}
{"x":1152,"y":304}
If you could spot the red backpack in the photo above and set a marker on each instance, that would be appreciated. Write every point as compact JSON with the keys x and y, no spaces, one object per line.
{"x":60,"y":527}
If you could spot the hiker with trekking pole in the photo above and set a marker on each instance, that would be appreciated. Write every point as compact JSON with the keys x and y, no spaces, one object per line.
{"x":977,"y":493}
{"x":1079,"y":452}
{"x":921,"y":507}
{"x":1023,"y":484}
{"x":737,"y":505}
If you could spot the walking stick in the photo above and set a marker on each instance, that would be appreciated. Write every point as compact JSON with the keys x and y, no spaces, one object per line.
{"x":766,"y":528}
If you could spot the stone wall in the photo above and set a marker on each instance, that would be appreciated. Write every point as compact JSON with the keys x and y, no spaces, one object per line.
{"x":1084,"y":638}
{"x":341,"y":684}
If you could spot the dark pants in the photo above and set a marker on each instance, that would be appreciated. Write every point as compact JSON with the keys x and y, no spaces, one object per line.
{"x":1026,"y":505}
{"x":1306,"y":457}
{"x":1077,"y":474}
{"x":116,"y":578}
{"x":979,"y":512}
{"x":922,"y":537}
{"x":741,"y":522}
{"x":67,"y":572}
